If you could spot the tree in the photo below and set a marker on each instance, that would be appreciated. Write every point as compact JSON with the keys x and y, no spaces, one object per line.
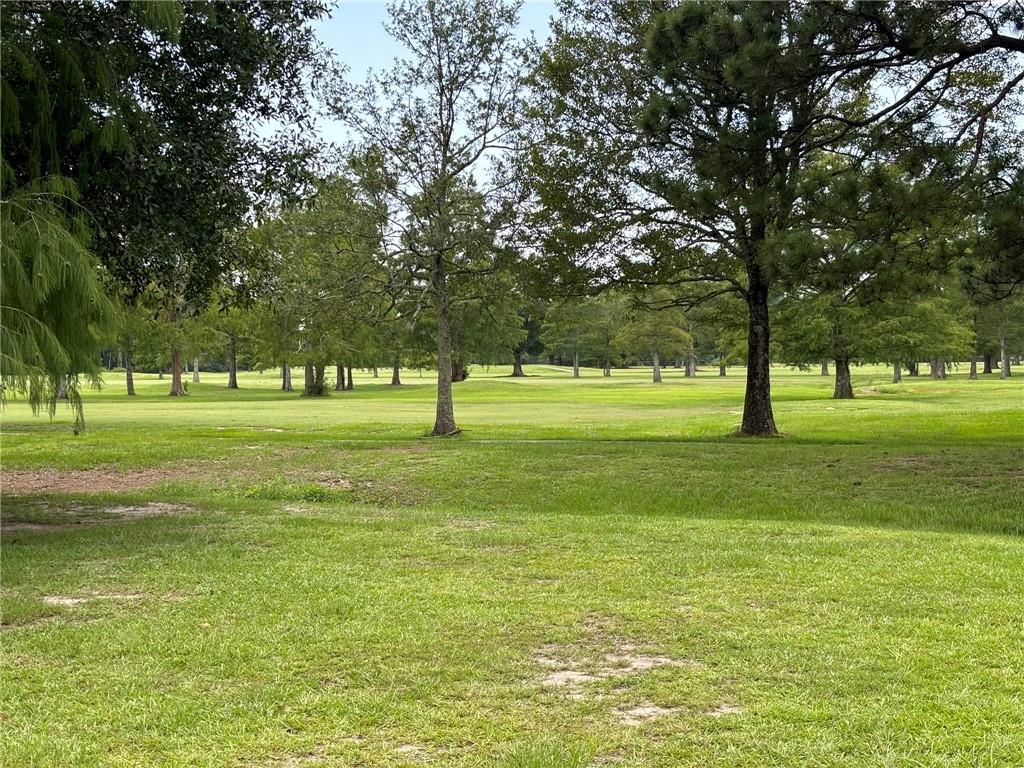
{"x":431,"y":124}
{"x":103,"y":96}
{"x":657,"y":333}
{"x":565,"y":326}
{"x":733,"y":101}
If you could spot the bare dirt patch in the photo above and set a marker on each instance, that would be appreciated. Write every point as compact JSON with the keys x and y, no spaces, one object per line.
{"x":642,"y":713}
{"x":72,"y":600}
{"x":572,"y":667}
{"x":95,"y":480}
{"x":62,"y":517}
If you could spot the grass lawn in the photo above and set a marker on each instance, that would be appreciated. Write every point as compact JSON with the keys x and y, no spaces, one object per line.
{"x":595,"y":573}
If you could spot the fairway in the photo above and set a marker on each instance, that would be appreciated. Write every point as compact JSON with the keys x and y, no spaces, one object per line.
{"x":595,"y":572}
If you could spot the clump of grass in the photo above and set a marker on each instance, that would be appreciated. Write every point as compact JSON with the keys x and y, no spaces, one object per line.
{"x":279,"y":489}
{"x":544,"y":752}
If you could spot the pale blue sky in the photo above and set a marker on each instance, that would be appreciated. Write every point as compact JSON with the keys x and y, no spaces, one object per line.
{"x":355,"y":32}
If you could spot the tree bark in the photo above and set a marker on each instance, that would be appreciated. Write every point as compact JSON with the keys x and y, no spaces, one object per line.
{"x":339,"y":375}
{"x":444,"y":419}
{"x":62,"y":388}
{"x":691,"y":365}
{"x":313,"y":380}
{"x":973,"y":376}
{"x":607,"y":371}
{"x":195,"y":370}
{"x":824,"y":368}
{"x":844,"y":385}
{"x":375,"y":373}
{"x":897,"y":373}
{"x":758,"y":418}
{"x":129,"y":373}
{"x":517,"y":364}
{"x":286,"y":378}
{"x":721,"y":369}
{"x":576,"y":364}
{"x":678,"y":363}
{"x":321,"y":379}
{"x":177,"y":388}
{"x":232,"y":361}
{"x":657,"y":368}
{"x":1004,"y":354}
{"x":350,"y":384}
{"x":988,"y":363}
{"x":396,"y":370}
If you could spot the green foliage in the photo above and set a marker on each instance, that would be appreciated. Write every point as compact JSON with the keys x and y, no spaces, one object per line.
{"x":52,"y":307}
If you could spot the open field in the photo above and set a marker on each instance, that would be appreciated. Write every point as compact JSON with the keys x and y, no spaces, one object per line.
{"x":594,"y":573}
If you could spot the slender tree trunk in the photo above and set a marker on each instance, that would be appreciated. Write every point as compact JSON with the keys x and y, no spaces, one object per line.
{"x":160,"y":374}
{"x":62,"y":388}
{"x":308,"y":380}
{"x":912,"y":368}
{"x":844,"y":385}
{"x":1004,"y":369}
{"x":721,"y":368}
{"x":320,"y":371}
{"x":758,"y":418}
{"x":575,"y":364}
{"x":339,"y":378}
{"x":824,"y":368}
{"x":232,"y":361}
{"x":195,"y":370}
{"x":678,"y":363}
{"x":350,"y":384}
{"x":396,"y":370}
{"x":375,"y":373}
{"x":691,"y":365}
{"x":973,"y":376}
{"x":286,"y":378}
{"x":129,"y":373}
{"x":177,"y":388}
{"x":444,"y":420}
{"x":897,"y":373}
{"x":517,"y":364}
{"x":988,"y":363}
{"x":940,"y":369}
{"x":657,"y":368}
{"x":607,"y":371}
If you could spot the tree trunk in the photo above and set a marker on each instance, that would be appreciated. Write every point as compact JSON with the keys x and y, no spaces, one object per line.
{"x":824,"y":368}
{"x":444,"y":420}
{"x":938,"y":369}
{"x":195,"y":370}
{"x":721,"y":368}
{"x":988,"y":363}
{"x":1004,"y":354}
{"x":691,"y":365}
{"x":375,"y":374}
{"x":313,"y":380}
{"x":517,"y":364}
{"x":129,"y":373}
{"x":973,"y":376}
{"x":62,"y":388}
{"x":351,"y":383}
{"x":607,"y":371}
{"x":678,"y":363}
{"x":177,"y":389}
{"x":160,"y":374}
{"x":396,"y":369}
{"x":844,"y":386}
{"x":576,"y":364}
{"x":656,"y":361}
{"x":232,"y":361}
{"x":286,"y":378}
{"x":758,"y":418}
{"x":912,"y":369}
{"x":897,"y":373}
{"x":339,"y":376}
{"x":321,"y":380}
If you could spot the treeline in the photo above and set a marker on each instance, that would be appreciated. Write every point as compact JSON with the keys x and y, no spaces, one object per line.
{"x":692,"y":184}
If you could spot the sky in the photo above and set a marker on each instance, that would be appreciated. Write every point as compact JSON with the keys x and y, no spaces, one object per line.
{"x":355,"y":32}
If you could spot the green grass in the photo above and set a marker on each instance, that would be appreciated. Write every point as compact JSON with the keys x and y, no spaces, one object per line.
{"x":337,"y":590}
